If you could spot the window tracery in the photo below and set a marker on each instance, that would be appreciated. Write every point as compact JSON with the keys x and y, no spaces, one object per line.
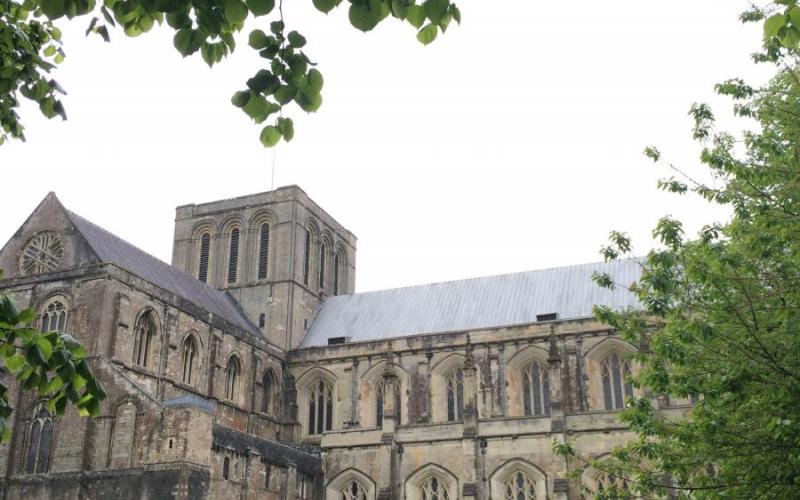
{"x":535,"y":390}
{"x":54,"y":317}
{"x":189,"y":360}
{"x":39,"y":443}
{"x":519,"y":486}
{"x":144,"y":332}
{"x":455,"y":396}
{"x":615,"y":372}
{"x":434,"y":489}
{"x":320,"y":408}
{"x":232,"y":374}
{"x":354,"y":491}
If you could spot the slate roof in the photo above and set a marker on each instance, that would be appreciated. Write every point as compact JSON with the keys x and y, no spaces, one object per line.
{"x":305,"y":458}
{"x":113,"y":249}
{"x":492,"y":301}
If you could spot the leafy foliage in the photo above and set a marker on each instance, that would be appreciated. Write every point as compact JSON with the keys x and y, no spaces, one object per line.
{"x":30,"y":47}
{"x":721,"y":312}
{"x":50,"y":363}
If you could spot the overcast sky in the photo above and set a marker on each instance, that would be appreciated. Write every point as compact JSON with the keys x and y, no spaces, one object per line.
{"x":512,"y":143}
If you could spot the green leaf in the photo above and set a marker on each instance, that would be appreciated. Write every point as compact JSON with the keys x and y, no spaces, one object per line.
{"x":240,"y":98}
{"x":286,"y":126}
{"x":326,"y":5}
{"x":427,"y":34}
{"x":296,"y":40}
{"x":235,"y":11}
{"x":26,"y":316}
{"x":258,"y":39}
{"x":415,"y":15}
{"x":435,"y":9}
{"x":366,"y":14}
{"x":308,"y":103}
{"x":53,"y":8}
{"x":184,"y":42}
{"x":315,"y":81}
{"x":276,"y":27}
{"x":263,"y":82}
{"x":46,"y":348}
{"x":54,"y":385}
{"x":773,"y":24}
{"x":285,"y":93}
{"x":179,"y":20}
{"x":789,"y":36}
{"x":270,"y":136}
{"x":260,"y":7}
{"x":455,"y":13}
{"x":15,"y":363}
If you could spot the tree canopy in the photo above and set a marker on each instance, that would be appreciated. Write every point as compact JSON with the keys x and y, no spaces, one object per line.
{"x":30,"y":47}
{"x":720,"y":312}
{"x":51,"y":364}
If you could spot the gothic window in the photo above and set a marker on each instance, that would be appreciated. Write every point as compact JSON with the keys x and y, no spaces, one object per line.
{"x":54,"y":317}
{"x":39,"y":444}
{"x":535,"y":390}
{"x":189,"y":360}
{"x":322,"y":252}
{"x":519,"y":487}
{"x":232,"y":374}
{"x":43,"y":253}
{"x":144,"y":332}
{"x":267,"y":391}
{"x":379,"y":398}
{"x":307,"y":256}
{"x":608,"y":486}
{"x":233,"y":255}
{"x":263,"y":250}
{"x":354,"y":491}
{"x":337,"y":262}
{"x":455,"y":396}
{"x":615,"y":372}
{"x":205,"y":248}
{"x":434,"y":489}
{"x":226,"y":468}
{"x":320,"y":408}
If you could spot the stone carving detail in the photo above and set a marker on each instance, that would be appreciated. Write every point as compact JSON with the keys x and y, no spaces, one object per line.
{"x":43,"y":253}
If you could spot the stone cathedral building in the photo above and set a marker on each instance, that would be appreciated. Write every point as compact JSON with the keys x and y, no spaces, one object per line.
{"x":247,"y":368}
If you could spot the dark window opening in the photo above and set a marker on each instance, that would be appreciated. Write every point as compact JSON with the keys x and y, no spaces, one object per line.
{"x":205,"y":245}
{"x":547,"y":317}
{"x":233,"y":256}
{"x":263,"y":251}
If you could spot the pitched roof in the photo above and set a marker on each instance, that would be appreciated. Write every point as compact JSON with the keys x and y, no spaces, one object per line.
{"x":492,"y":301}
{"x":113,"y":249}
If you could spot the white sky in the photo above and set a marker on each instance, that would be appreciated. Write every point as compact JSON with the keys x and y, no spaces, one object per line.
{"x":512,"y":143}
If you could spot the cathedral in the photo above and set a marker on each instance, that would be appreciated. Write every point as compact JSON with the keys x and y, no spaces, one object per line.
{"x":248,"y":368}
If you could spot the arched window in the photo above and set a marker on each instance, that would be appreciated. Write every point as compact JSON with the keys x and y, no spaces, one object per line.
{"x":189,"y":360}
{"x":202,"y":266}
{"x":233,"y":255}
{"x":232,"y":372}
{"x":519,"y":487}
{"x":337,"y":263}
{"x":354,"y":491}
{"x":434,"y":489}
{"x":144,"y":332}
{"x":536,"y":390}
{"x":616,"y":372}
{"x":320,"y":408}
{"x":54,"y":317}
{"x":226,"y":468}
{"x":307,"y":256}
{"x":123,"y":435}
{"x":263,"y":250}
{"x":323,"y":249}
{"x":39,"y":443}
{"x":608,"y":486}
{"x":381,"y":394}
{"x":267,"y":392}
{"x":455,"y":396}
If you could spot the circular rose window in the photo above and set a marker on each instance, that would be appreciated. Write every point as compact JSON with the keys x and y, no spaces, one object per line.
{"x":42,"y":254}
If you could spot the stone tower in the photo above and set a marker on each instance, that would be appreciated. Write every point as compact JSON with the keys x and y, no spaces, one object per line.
{"x":277,"y":253}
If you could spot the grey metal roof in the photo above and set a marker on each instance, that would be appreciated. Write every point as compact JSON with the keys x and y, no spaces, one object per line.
{"x":492,"y":301}
{"x":113,"y":249}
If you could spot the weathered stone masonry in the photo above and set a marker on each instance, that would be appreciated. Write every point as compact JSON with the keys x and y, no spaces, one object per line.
{"x":274,"y":380}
